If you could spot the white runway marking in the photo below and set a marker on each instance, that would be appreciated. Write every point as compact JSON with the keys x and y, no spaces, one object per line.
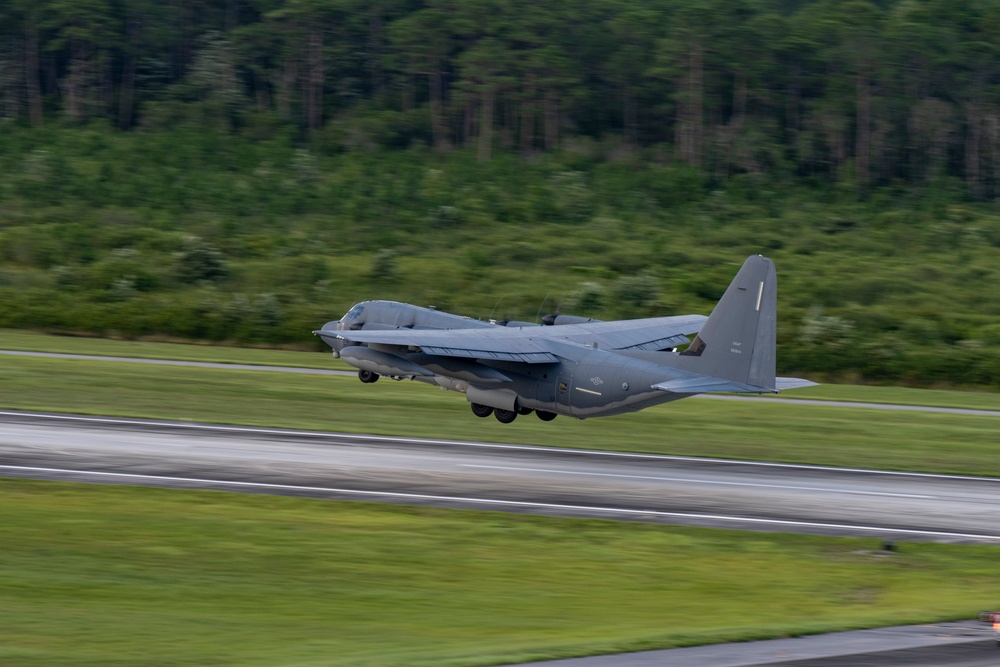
{"x":701,"y":481}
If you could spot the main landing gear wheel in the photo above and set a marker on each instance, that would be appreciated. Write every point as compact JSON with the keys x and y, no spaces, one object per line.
{"x":545,"y":416}
{"x":505,"y":416}
{"x":368,"y":376}
{"x":524,"y":411}
{"x":481,"y":410}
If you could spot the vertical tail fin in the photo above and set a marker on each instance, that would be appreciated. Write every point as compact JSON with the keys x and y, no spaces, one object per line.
{"x":737,"y":343}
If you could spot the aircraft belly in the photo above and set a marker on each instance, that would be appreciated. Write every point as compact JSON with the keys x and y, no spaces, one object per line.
{"x":634,"y":403}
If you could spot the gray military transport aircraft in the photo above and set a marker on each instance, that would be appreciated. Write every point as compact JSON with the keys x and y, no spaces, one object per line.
{"x":572,"y":366}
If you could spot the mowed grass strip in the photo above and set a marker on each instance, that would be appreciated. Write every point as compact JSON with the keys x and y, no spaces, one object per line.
{"x":36,"y":342}
{"x":124,"y":576}
{"x":856,"y":437}
{"x":940,"y":398}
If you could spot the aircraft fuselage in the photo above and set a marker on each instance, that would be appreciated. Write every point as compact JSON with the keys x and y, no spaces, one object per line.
{"x":573,"y":366}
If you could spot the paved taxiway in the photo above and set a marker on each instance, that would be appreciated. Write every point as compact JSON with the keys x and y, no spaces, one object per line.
{"x":962,"y":644}
{"x":689,"y":491}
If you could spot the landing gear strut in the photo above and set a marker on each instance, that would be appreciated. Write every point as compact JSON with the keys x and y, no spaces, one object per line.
{"x":368,"y":376}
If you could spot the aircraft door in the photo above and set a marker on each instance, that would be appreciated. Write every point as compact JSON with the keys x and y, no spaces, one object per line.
{"x":564,"y":385}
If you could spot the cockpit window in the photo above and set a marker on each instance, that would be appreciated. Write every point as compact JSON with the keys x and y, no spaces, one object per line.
{"x":353,"y":314}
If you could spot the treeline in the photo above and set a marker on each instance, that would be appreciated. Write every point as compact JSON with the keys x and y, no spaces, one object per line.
{"x":867,"y":94}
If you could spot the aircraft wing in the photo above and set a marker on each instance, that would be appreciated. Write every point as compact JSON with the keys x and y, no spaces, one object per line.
{"x":486,"y":344}
{"x":528,"y":345}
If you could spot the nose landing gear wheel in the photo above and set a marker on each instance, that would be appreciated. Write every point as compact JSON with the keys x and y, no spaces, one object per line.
{"x":481,"y":410}
{"x":368,"y":376}
{"x":505,"y":416}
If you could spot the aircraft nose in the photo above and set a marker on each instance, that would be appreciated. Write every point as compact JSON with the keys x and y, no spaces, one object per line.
{"x":335,"y":343}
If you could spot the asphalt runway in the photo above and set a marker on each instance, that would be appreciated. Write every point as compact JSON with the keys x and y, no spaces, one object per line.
{"x":677,"y":490}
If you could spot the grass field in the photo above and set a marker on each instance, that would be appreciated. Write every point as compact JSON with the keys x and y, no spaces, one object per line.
{"x":129,"y":577}
{"x":121,"y":576}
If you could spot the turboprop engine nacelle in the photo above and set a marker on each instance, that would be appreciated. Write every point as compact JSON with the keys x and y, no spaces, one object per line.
{"x":381,"y":363}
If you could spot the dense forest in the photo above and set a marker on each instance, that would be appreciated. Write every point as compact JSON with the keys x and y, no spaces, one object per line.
{"x":244,"y":170}
{"x":871,"y":93}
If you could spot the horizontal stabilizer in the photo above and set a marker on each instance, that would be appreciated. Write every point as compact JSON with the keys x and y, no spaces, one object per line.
{"x":781,"y":384}
{"x":703,"y":384}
